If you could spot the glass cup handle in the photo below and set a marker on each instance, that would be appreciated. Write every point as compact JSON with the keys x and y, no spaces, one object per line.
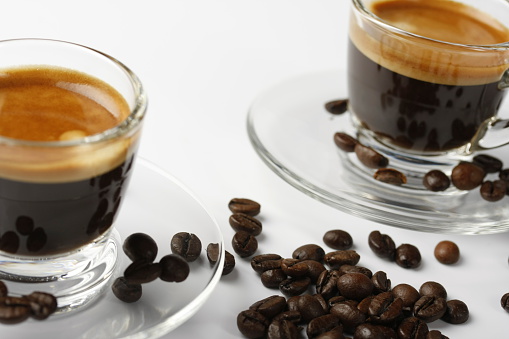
{"x":493,"y":132}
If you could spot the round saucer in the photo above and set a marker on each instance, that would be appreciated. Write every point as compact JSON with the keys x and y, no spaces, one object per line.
{"x":292,"y":132}
{"x":159,"y":205}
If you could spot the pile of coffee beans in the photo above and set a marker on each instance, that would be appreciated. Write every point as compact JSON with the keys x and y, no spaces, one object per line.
{"x":245,"y":225}
{"x":330,"y":295}
{"x":37,"y":305}
{"x":142,"y":250}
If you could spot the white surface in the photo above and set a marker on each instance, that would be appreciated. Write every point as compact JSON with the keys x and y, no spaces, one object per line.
{"x":203,"y":62}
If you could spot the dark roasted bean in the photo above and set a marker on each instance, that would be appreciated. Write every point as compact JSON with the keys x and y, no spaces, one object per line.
{"x":294,"y":286}
{"x":42,"y":304}
{"x":433,"y":289}
{"x":310,"y":307}
{"x":355,"y":286}
{"x":322,"y":324}
{"x":294,"y":267}
{"x":282,"y":329}
{"x":309,"y":252}
{"x":435,"y":334}
{"x":326,"y":284}
{"x":338,"y":239}
{"x":382,"y":245}
{"x":369,"y":157}
{"x":493,"y":190}
{"x":407,"y":293}
{"x":338,"y":258}
{"x":213,"y":253}
{"x":270,"y":307}
{"x":273,"y":278}
{"x":384,"y":309}
{"x":355,"y":269}
{"x":246,"y":206}
{"x":380,"y":282}
{"x":412,"y":328}
{"x":363,"y":305}
{"x":187,"y":245}
{"x":293,"y":316}
{"x":371,"y":331}
{"x":338,"y":106}
{"x":126,"y":291}
{"x":436,"y":181}
{"x":335,"y":333}
{"x":264,"y":262}
{"x":429,"y":309}
{"x":408,"y":256}
{"x":174,"y":268}
{"x":456,"y":313}
{"x":142,"y":272}
{"x":138,"y":246}
{"x":504,"y":302}
{"x":467,"y":176}
{"x":229,"y":263}
{"x":244,"y":244}
{"x":13,"y":314}
{"x":447,"y":252}
{"x":349,"y":316}
{"x":246,"y":223}
{"x":489,"y":163}
{"x":345,"y":142}
{"x":252,"y":324}
{"x":390,"y":176}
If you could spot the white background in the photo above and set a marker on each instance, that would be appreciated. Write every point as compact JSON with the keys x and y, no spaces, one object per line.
{"x":203,"y":62}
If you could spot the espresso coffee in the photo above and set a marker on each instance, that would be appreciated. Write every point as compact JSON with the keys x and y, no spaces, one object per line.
{"x":414,"y":96}
{"x":81,"y":184}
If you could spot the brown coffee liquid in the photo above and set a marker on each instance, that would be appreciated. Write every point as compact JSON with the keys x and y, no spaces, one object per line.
{"x":414,"y":96}
{"x":55,"y":200}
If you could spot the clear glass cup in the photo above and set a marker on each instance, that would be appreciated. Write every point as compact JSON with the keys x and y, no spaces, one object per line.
{"x":59,"y":199}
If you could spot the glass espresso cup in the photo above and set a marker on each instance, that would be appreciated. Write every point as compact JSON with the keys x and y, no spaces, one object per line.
{"x":70,"y":124}
{"x":422,"y":94}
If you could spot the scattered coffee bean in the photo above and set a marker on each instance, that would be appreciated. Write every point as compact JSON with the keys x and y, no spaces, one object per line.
{"x":142,"y":272}
{"x":3,"y":289}
{"x":456,"y":313}
{"x":338,"y":258}
{"x":382,"y":245}
{"x":369,"y":157}
{"x":447,"y":252}
{"x":273,"y":278}
{"x":174,"y":268}
{"x":338,"y":106}
{"x":282,"y":329}
{"x":467,"y":176}
{"x":229,"y":263}
{"x":42,"y":304}
{"x":489,"y":163}
{"x":349,"y":316}
{"x":493,"y":190}
{"x":322,"y":324}
{"x":433,"y":289}
{"x":407,"y":293}
{"x":252,"y":324}
{"x":246,"y":206}
{"x":338,"y":239}
{"x":371,"y":331}
{"x":355,"y":269}
{"x":270,"y":307}
{"x":435,"y":334}
{"x":412,"y":328}
{"x":408,"y":256}
{"x":244,"y":244}
{"x":326,"y":284}
{"x":504,"y":302}
{"x":264,"y":262}
{"x":246,"y":223}
{"x":126,"y":291}
{"x":294,"y":286}
{"x":187,"y":245}
{"x":390,"y":176}
{"x":140,"y":246}
{"x":385,"y":309}
{"x":436,"y":181}
{"x":212,"y":253}
{"x":15,"y":311}
{"x":345,"y":142}
{"x":356,"y":286}
{"x":429,"y":308}
{"x":380,"y":282}
{"x":309,"y":252}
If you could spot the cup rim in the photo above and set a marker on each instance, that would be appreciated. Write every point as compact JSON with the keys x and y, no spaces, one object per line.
{"x":359,"y":6}
{"x":131,"y":122}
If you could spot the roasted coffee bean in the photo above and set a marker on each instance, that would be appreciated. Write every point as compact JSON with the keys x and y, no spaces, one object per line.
{"x":335,"y":333}
{"x":504,"y":302}
{"x":246,"y":223}
{"x":412,"y":328}
{"x":246,"y":206}
{"x":436,"y":181}
{"x":326,"y":284}
{"x":252,"y":324}
{"x":489,"y":163}
{"x":493,"y":190}
{"x":273,"y":278}
{"x":467,"y":176}
{"x":447,"y":252}
{"x":142,"y":272}
{"x":338,"y":239}
{"x":407,"y":293}
{"x":355,"y":286}
{"x":229,"y":263}
{"x":9,"y":242}
{"x":338,"y":258}
{"x":270,"y":306}
{"x":282,"y":329}
{"x":369,"y":157}
{"x":363,"y":305}
{"x":140,"y":246}
{"x":345,"y":142}
{"x":3,"y":289}
{"x":433,"y":289}
{"x":371,"y":331}
{"x":349,"y":316}
{"x":390,"y":176}
{"x":408,"y":256}
{"x":187,"y":245}
{"x":429,"y":308}
{"x":309,"y":252}
{"x":213,"y":253}
{"x":435,"y":334}
{"x":456,"y":313}
{"x":380,"y":282}
{"x":42,"y":304}
{"x":244,"y":244}
{"x":384,"y":309}
{"x":310,"y":307}
{"x":315,"y":268}
{"x":355,"y":269}
{"x":264,"y":262}
{"x":322,"y":324}
{"x":338,"y":106}
{"x":293,"y":316}
{"x":294,"y":267}
{"x":174,"y":268}
{"x":126,"y":291}
{"x":382,"y":245}
{"x":294,"y":286}
{"x":13,"y":313}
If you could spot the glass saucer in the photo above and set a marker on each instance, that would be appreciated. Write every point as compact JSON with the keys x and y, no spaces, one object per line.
{"x":156,"y":204}
{"x":293,"y":134}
